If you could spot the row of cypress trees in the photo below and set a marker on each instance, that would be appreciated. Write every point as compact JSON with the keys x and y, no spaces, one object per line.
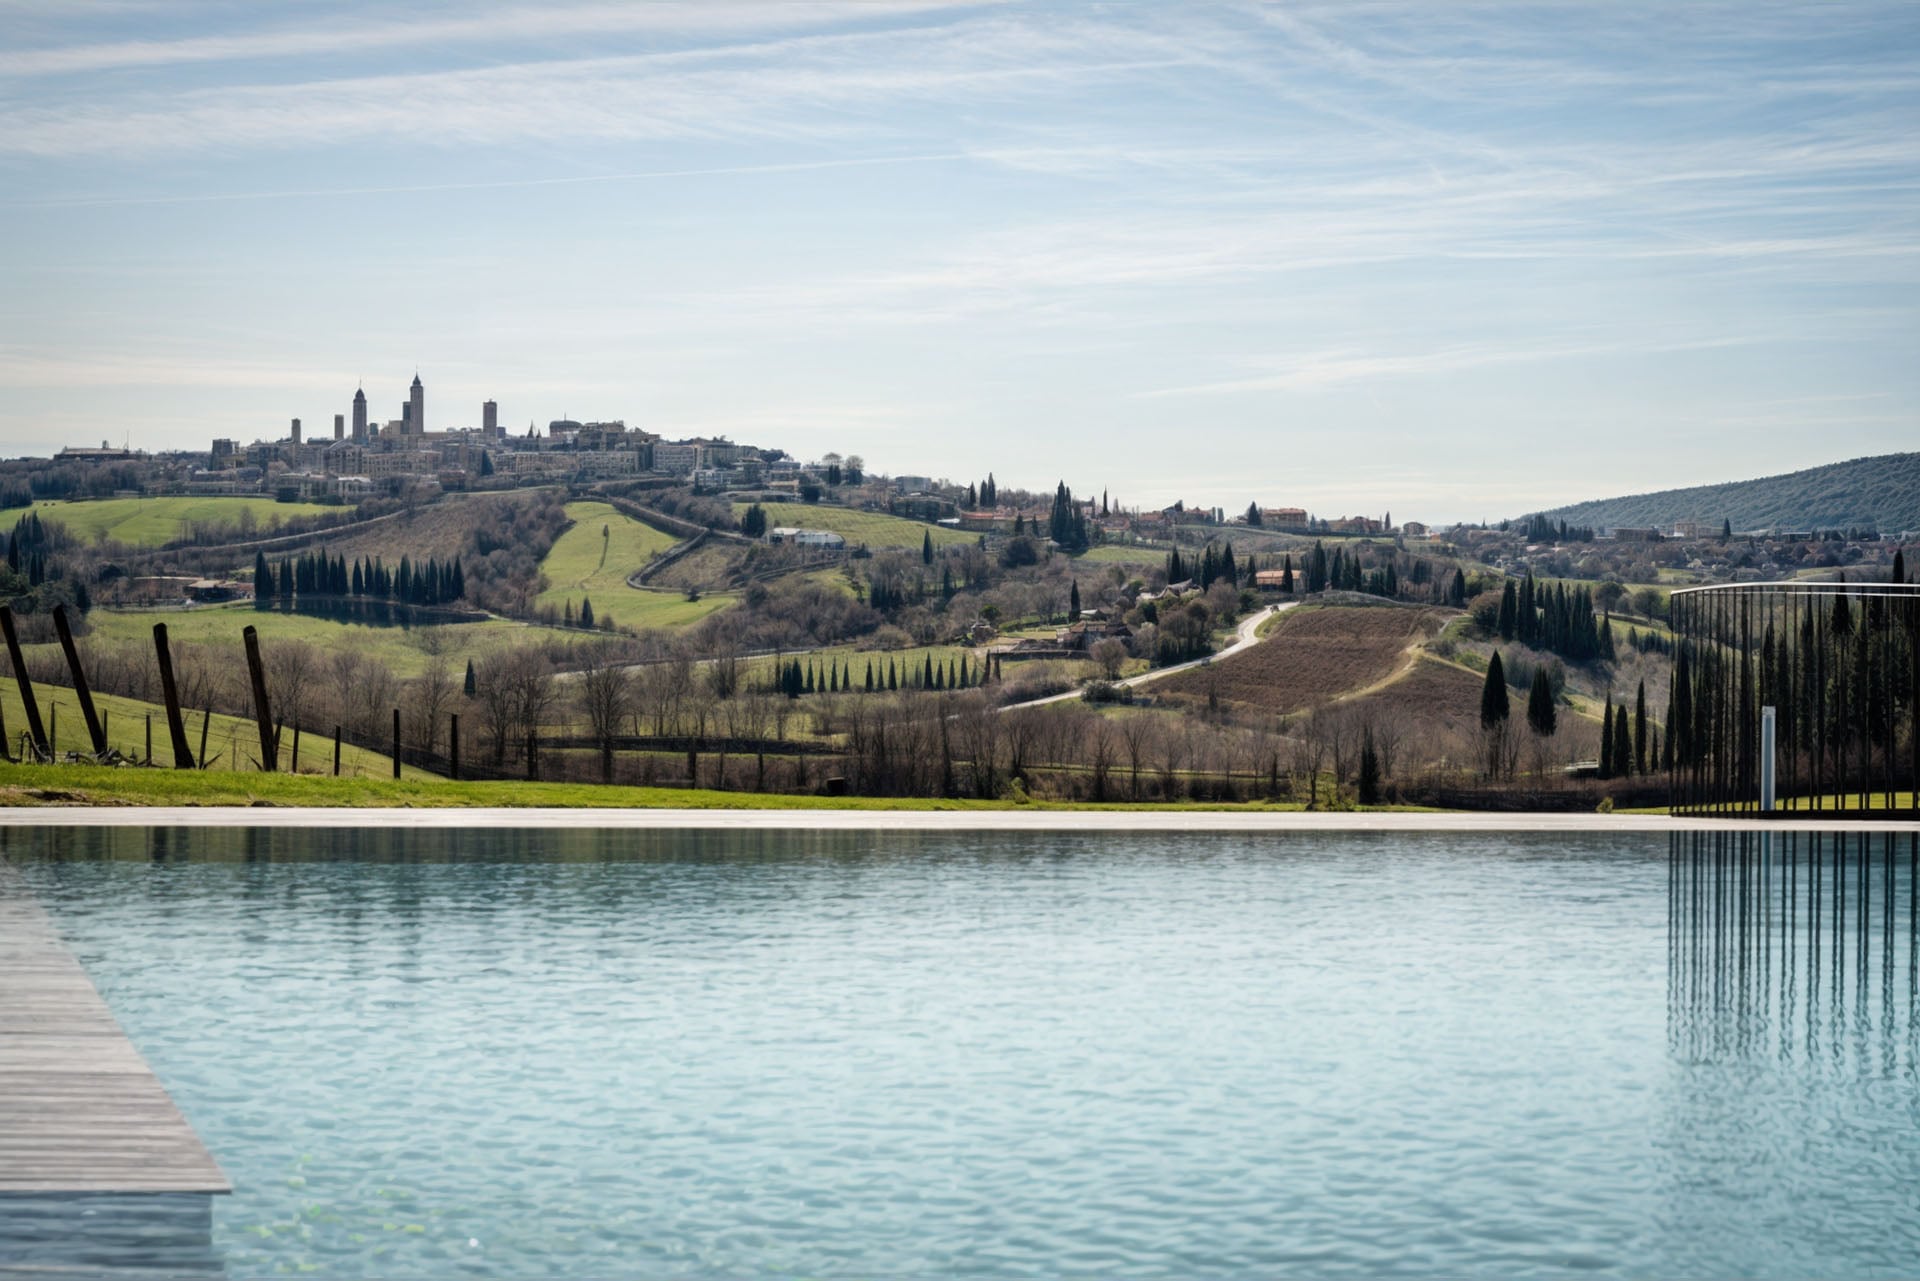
{"x":793,"y":679}
{"x":331,"y":586}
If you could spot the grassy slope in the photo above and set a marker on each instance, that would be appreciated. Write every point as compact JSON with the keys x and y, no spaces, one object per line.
{"x":228,"y":739}
{"x":576,"y":570}
{"x":150,"y":522}
{"x":585,"y":563}
{"x":404,"y":651}
{"x":875,"y":529}
{"x":92,"y":785}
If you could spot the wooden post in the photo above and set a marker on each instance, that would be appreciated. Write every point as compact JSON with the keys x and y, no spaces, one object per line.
{"x":293,"y":766}
{"x":53,"y":731}
{"x":533,"y":748}
{"x":269,"y":747}
{"x":336,"y":751}
{"x":396,"y":742}
{"x":453,"y":748}
{"x":96,"y":732}
{"x":206,"y":719}
{"x":170,"y":695}
{"x":149,"y":756}
{"x":5,"y":750}
{"x":35,"y":730}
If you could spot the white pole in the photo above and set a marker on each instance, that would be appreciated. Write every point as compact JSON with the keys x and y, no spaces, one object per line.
{"x":1766,"y":760}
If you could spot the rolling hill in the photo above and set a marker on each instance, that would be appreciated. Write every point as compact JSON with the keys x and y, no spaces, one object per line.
{"x":1880,"y":493}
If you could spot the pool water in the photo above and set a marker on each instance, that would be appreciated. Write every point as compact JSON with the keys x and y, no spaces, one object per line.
{"x":563,"y":1054}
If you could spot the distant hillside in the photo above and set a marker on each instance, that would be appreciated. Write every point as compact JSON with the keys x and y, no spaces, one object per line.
{"x":1868,"y":493}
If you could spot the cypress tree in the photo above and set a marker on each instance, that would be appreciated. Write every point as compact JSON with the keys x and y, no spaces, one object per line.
{"x":1073,"y":602}
{"x":1622,"y":743}
{"x":586,"y":612}
{"x":470,"y":684}
{"x":262,"y":581}
{"x":1509,"y":612}
{"x":1640,"y":756}
{"x":1606,"y":738}
{"x":1899,"y":574}
{"x":893,"y":677}
{"x":1494,"y":708}
{"x":1542,"y":717}
{"x":1369,"y":769}
{"x":926,"y":548}
{"x":1286,"y":576}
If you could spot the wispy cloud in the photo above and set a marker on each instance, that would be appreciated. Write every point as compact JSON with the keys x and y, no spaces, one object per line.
{"x":351,"y":36}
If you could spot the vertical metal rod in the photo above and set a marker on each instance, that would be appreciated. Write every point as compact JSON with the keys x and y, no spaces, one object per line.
{"x":1766,"y":759}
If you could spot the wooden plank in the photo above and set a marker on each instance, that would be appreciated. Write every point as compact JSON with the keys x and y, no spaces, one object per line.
{"x":80,"y":1110}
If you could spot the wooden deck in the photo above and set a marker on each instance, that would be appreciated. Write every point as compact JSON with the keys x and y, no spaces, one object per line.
{"x":80,"y":1110}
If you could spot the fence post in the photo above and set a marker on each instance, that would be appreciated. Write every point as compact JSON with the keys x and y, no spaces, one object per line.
{"x":170,"y":695}
{"x":96,"y":732}
{"x":336,"y":751}
{"x":269,"y":745}
{"x":293,"y":766}
{"x":453,"y":748}
{"x":396,"y":742}
{"x":35,"y":730}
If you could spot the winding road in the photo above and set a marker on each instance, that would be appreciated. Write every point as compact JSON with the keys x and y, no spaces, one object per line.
{"x":1245,"y":636}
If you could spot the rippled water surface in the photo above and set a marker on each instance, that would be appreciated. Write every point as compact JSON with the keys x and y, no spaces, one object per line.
{"x":553,"y":1054}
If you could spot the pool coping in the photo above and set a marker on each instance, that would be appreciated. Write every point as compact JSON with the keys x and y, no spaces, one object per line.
{"x":1147,"y":821}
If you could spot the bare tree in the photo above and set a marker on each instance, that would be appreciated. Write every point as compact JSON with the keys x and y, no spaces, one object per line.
{"x":605,"y":691}
{"x":1111,"y":655}
{"x":429,"y":697}
{"x":1136,"y":732}
{"x":1102,"y":743}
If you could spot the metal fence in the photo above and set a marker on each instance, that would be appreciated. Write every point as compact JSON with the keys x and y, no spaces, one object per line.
{"x":1795,"y":697}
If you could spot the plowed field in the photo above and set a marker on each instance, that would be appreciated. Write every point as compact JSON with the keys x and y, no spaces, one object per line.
{"x":1314,"y":656}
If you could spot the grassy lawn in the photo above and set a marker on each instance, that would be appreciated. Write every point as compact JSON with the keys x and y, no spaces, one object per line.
{"x":1124,"y":554}
{"x":233,"y":743}
{"x":57,"y":785}
{"x":659,"y":611}
{"x":595,"y":556}
{"x":875,"y":529}
{"x":406,"y":651}
{"x":151,"y":522}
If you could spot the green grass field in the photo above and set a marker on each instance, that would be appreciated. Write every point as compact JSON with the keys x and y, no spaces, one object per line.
{"x":232,"y":743}
{"x":1124,"y":554}
{"x":60,"y":785}
{"x":595,"y":557}
{"x":875,"y":529}
{"x":587,"y":564}
{"x":406,"y":652}
{"x":151,"y":522}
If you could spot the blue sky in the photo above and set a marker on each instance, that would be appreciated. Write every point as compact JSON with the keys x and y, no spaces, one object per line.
{"x":1450,"y":260}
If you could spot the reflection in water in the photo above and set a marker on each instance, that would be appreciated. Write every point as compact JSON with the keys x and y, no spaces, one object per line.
{"x":1795,"y":944}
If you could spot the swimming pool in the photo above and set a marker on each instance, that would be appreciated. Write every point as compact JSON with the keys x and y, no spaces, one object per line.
{"x":563,"y":1053}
